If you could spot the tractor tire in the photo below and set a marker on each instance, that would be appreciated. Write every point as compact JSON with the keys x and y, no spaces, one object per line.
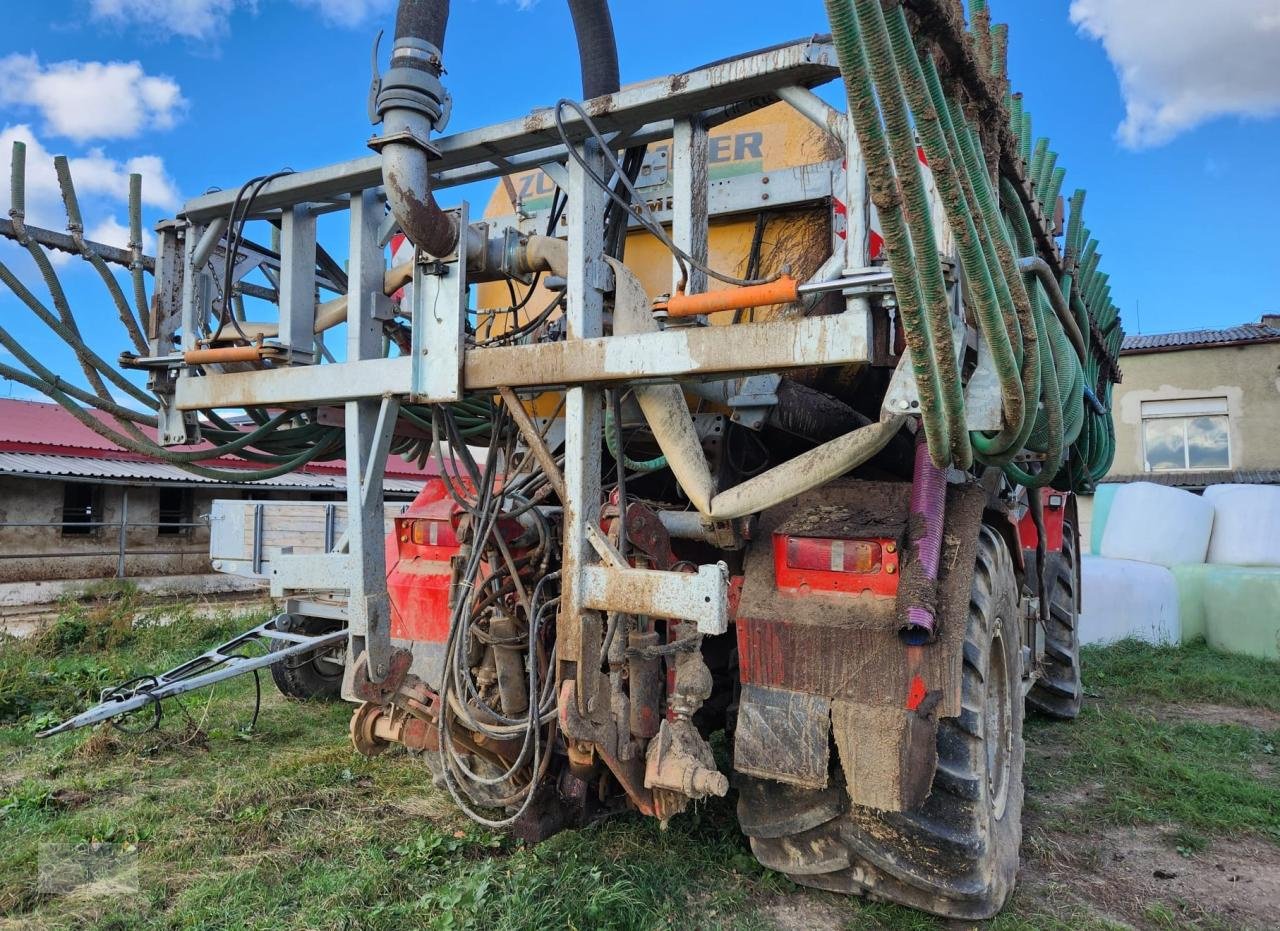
{"x":314,"y":676}
{"x":957,"y":854}
{"x":1058,"y":693}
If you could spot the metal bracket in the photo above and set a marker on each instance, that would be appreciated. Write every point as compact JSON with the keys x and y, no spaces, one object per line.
{"x":438,"y":342}
{"x":702,"y":597}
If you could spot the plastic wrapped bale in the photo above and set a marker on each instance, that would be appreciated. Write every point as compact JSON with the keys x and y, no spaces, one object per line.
{"x":1121,"y":598}
{"x":1246,"y":525}
{"x":1191,"y":606}
{"x":1242,"y":610}
{"x":1102,"y":498}
{"x":1157,"y":524}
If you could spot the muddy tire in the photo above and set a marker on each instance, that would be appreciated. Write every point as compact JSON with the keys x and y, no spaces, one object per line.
{"x":1058,"y":693}
{"x":956,"y":855}
{"x":314,"y":676}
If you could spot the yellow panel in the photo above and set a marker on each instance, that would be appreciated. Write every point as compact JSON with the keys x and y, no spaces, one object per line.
{"x":773,"y":138}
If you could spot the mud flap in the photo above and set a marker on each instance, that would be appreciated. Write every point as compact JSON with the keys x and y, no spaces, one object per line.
{"x":810,"y":661}
{"x":888,"y":754}
{"x":783,"y":735}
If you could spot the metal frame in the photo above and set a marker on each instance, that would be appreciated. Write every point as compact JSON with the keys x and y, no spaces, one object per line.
{"x":440,"y":367}
{"x":209,"y":668}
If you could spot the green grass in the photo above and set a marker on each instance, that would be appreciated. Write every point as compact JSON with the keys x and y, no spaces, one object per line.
{"x":287,"y":827}
{"x":1140,"y":764}
{"x":1134,"y":671}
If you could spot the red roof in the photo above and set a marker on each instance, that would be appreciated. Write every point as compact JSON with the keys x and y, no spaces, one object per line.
{"x":49,"y":429}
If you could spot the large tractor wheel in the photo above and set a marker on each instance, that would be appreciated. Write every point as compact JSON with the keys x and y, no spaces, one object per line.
{"x":313,"y":676}
{"x":1058,"y":692}
{"x":956,"y":855}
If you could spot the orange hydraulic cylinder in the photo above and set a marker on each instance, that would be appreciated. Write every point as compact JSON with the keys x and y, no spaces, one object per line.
{"x":784,"y":290}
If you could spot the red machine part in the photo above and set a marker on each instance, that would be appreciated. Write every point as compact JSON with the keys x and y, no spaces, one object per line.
{"x":1055,"y":511}
{"x":420,"y":551}
{"x":831,"y":565}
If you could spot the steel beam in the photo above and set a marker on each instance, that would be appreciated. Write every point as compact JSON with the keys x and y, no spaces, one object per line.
{"x":297,"y":281}
{"x":580,"y":631}
{"x":753,"y":78}
{"x":689,"y":202}
{"x":368,"y":435}
{"x":690,"y":352}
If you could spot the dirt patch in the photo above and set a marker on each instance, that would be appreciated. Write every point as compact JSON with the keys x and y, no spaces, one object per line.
{"x":1262,"y":719}
{"x":1125,"y":872}
{"x":804,"y":913}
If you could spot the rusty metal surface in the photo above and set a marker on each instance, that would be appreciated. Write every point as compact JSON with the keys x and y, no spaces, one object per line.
{"x":700,"y":596}
{"x":783,"y":735}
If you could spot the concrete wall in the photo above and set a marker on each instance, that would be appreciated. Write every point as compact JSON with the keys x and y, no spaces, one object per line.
{"x":1247,"y":376}
{"x":45,"y":553}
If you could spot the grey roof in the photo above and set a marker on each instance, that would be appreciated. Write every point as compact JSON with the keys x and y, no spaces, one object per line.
{"x":129,"y":472}
{"x":1190,"y":339}
{"x":1203,"y":478}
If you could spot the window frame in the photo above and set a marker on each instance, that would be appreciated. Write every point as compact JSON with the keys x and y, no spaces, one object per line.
{"x":1185,"y":410}
{"x":186,"y":513}
{"x":91,"y":525}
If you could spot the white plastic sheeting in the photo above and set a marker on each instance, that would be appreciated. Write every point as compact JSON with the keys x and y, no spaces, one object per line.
{"x":1246,"y":525}
{"x":1157,"y":524}
{"x":1121,"y":598}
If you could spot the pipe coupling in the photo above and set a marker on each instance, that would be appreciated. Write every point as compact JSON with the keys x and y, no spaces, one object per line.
{"x":413,"y":83}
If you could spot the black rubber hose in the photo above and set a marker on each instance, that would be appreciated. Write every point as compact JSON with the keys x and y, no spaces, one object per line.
{"x":422,"y":19}
{"x":597,"y":47}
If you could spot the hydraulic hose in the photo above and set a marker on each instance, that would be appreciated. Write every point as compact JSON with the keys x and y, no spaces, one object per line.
{"x":874,"y":36}
{"x":597,"y":47}
{"x":888,"y":201}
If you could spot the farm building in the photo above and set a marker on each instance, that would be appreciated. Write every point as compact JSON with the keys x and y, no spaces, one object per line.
{"x":75,"y":506}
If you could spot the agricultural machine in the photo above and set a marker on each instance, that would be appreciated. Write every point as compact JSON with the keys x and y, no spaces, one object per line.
{"x":753,"y":416}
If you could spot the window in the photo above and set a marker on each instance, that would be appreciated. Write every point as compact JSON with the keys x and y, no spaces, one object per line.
{"x":1185,"y":435}
{"x":175,"y":512}
{"x":81,"y":509}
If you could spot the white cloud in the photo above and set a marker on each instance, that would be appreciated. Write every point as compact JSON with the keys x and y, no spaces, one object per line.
{"x":1186,"y":62}
{"x":85,"y":100}
{"x":348,"y":12}
{"x":210,"y":19}
{"x":112,"y":232}
{"x":98,"y":179}
{"x":191,"y":19}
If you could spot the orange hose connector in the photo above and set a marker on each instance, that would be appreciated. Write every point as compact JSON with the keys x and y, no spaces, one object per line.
{"x":784,"y":290}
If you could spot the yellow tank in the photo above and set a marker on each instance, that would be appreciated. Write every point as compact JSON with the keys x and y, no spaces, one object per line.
{"x":768,"y":140}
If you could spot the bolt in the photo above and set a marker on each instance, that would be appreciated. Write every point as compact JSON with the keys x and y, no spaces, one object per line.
{"x":891,"y":568}
{"x":891,"y":547}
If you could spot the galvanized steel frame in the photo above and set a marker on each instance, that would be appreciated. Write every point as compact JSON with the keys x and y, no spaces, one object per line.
{"x":679,"y":107}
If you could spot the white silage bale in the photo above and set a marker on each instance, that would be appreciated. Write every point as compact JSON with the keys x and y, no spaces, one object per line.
{"x":1157,"y":524}
{"x":1246,"y":525}
{"x":1120,"y":598}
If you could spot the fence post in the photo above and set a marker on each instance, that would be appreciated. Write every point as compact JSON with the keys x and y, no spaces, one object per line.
{"x":124,"y":526}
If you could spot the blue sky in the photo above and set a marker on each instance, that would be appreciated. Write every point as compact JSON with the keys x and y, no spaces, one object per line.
{"x":1182,"y":198}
